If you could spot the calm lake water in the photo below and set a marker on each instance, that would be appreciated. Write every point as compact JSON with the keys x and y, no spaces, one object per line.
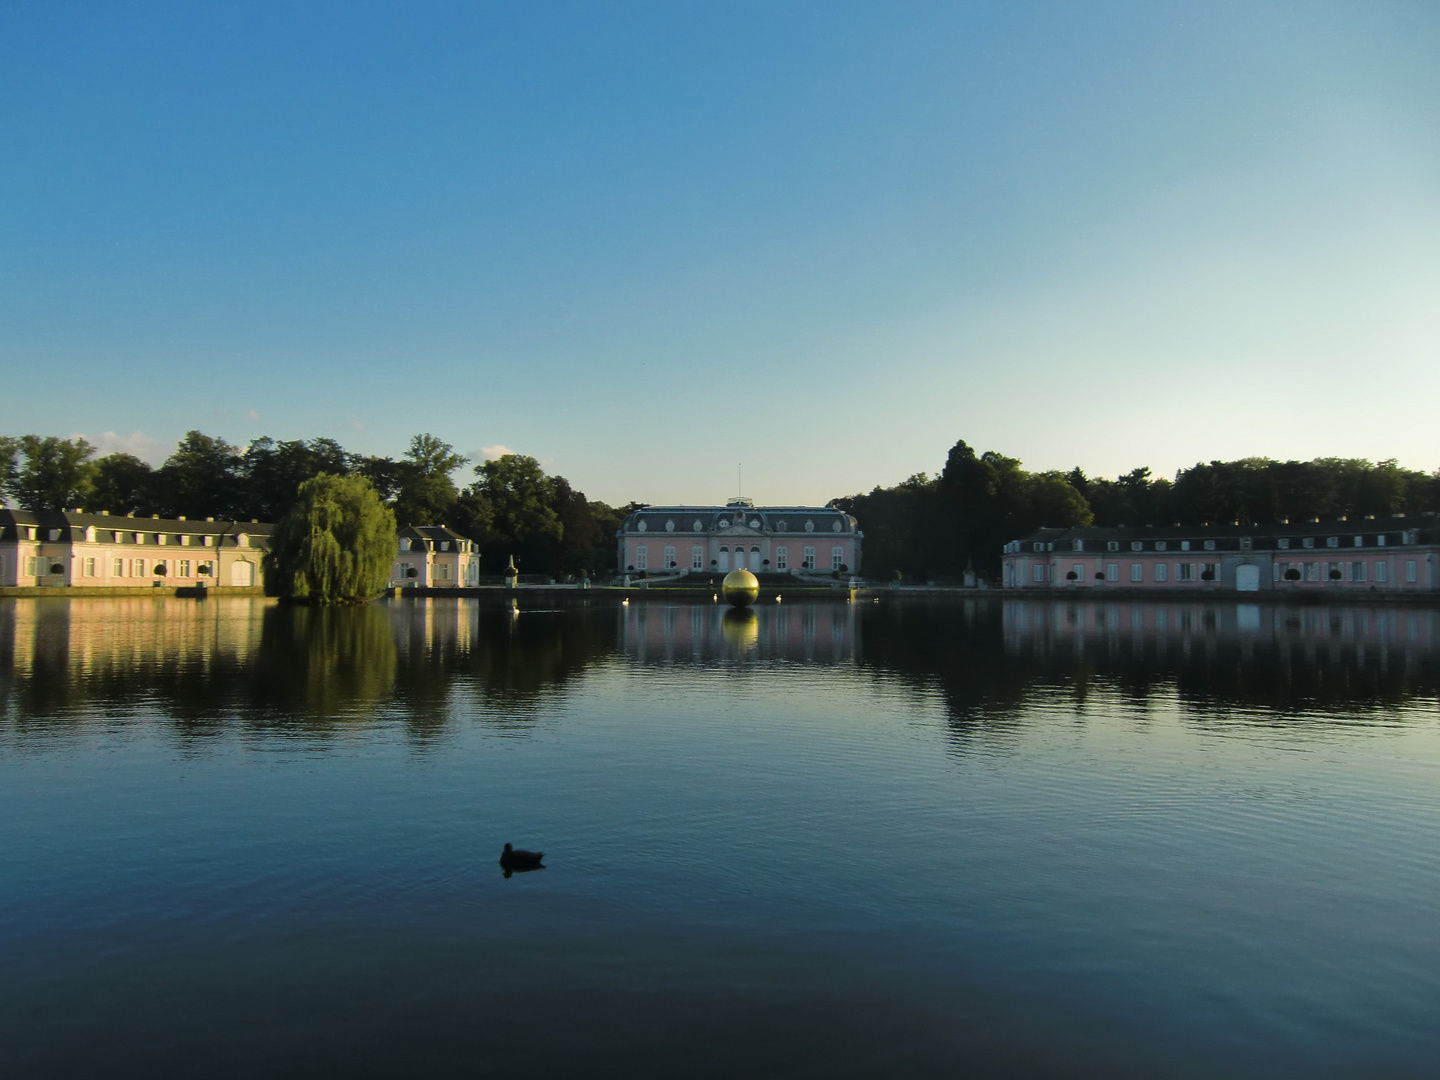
{"x":1003,"y":838}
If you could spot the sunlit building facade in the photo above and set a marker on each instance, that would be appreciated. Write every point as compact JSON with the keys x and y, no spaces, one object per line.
{"x":70,"y":548}
{"x":799,"y":540}
{"x":1373,"y":555}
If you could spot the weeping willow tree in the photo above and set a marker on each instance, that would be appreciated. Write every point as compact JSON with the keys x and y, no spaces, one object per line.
{"x":335,"y":546}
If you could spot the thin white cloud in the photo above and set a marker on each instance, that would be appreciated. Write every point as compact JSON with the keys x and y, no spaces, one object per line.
{"x":252,"y":414}
{"x":137,"y":442}
{"x":490,"y":453}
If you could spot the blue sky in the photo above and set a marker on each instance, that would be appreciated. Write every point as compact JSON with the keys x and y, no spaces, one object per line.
{"x":647,"y":242}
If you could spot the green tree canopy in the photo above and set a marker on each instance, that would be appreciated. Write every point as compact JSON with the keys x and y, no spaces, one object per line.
{"x":47,"y":473}
{"x":272,"y":473}
{"x":123,"y":484}
{"x":202,"y":478}
{"x":425,"y":494}
{"x":336,"y":545}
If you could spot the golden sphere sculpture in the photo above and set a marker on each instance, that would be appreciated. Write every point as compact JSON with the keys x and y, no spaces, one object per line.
{"x":740,"y":588}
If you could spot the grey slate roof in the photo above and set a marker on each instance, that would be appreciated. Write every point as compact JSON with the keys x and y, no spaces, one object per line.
{"x":697,"y":520}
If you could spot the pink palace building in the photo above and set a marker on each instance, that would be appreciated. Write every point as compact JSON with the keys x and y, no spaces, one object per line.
{"x":1376,"y":555}
{"x":798,"y":540}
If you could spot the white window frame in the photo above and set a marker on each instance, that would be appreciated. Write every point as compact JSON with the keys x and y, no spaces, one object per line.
{"x":697,"y":557}
{"x":117,"y":568}
{"x":671,"y":563}
{"x":1112,"y":571}
{"x":1162,"y":572}
{"x":1412,"y":572}
{"x":837,"y":557}
{"x":642,"y":557}
{"x":782,"y":558}
{"x":1038,"y":573}
{"x":809,"y":563}
{"x":1382,"y":573}
{"x":1137,"y":571}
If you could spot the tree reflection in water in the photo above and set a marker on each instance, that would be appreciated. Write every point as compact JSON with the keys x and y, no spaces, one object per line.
{"x":433,"y":663}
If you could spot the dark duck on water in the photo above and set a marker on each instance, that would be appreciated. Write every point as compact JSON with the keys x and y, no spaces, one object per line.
{"x":517,"y":860}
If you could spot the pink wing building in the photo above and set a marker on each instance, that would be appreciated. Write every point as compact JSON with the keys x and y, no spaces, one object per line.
{"x":796,"y":540}
{"x":1379,"y":555}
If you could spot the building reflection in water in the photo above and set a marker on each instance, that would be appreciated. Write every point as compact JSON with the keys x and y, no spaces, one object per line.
{"x":1273,"y":655}
{"x":810,"y":633}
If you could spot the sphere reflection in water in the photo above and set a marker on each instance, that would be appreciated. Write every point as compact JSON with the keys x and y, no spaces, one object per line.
{"x":741,"y":629}
{"x":741,"y":587}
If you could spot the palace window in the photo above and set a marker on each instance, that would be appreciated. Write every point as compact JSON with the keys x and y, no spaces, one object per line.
{"x":670,"y":562}
{"x":669,"y":526}
{"x":642,"y":557}
{"x":809,"y":526}
{"x":1246,"y":543}
{"x":1039,"y":572}
{"x":780,"y":526}
{"x":89,"y":567}
{"x":137,"y":567}
{"x":1162,"y":572}
{"x":1209,"y":545}
{"x":837,"y":558}
{"x":1079,"y":545}
{"x":1184,"y":545}
{"x":1382,"y":573}
{"x":1184,"y":571}
{"x":1308,"y":542}
{"x":183,"y":568}
{"x":1333,"y":541}
{"x":1137,"y":571}
{"x":697,"y":526}
{"x":1112,"y":571}
{"x":1160,"y":545}
{"x":32,"y":565}
{"x":782,"y":558}
{"x":809,"y":563}
{"x":1359,"y":541}
{"x":1113,"y":545}
{"x":697,"y":557}
{"x":1357,"y":571}
{"x":1137,"y":545}
{"x":1039,"y":547}
{"x":1284,"y":543}
{"x":441,"y":571}
{"x":117,"y":568}
{"x":1410,"y":572}
{"x":1312,"y":571}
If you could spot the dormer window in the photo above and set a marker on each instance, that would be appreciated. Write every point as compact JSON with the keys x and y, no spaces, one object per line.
{"x":1160,"y":545}
{"x":1380,"y":540}
{"x":1359,"y":541}
{"x":1209,"y":545}
{"x":1039,"y":547}
{"x":1079,"y":545}
{"x":1284,"y":542}
{"x":642,"y":526}
{"x":1309,"y":541}
{"x":669,"y":526}
{"x":699,"y":526}
{"x":780,"y":526}
{"x":809,"y":526}
{"x":1246,"y":543}
{"x":1333,"y":541}
{"x":1184,"y":545}
{"x":1113,"y":545}
{"x":444,"y":545}
{"x":1137,"y":545}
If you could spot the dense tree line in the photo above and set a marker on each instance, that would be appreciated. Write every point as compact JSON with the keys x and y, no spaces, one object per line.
{"x":511,"y":506}
{"x":938,"y":526}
